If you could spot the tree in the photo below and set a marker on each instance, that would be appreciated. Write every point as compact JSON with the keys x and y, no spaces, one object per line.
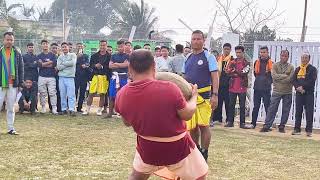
{"x":133,"y":15}
{"x":264,"y":34}
{"x":5,"y":10}
{"x":248,"y":17}
{"x":96,"y":14}
{"x":27,"y":11}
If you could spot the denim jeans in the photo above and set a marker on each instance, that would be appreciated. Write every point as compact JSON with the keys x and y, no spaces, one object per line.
{"x":67,"y":93}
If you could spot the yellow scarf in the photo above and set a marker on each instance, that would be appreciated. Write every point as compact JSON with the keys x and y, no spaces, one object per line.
{"x":222,"y":59}
{"x":302,"y":72}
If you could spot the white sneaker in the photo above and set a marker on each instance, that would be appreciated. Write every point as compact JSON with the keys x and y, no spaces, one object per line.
{"x":99,"y":112}
{"x":85,"y":112}
{"x":43,"y":110}
{"x":54,"y":110}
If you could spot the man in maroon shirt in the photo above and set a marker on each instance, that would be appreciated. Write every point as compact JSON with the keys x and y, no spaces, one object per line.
{"x":238,"y":70}
{"x":156,"y":110}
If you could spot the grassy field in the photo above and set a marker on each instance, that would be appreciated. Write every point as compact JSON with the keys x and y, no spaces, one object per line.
{"x":61,"y":147}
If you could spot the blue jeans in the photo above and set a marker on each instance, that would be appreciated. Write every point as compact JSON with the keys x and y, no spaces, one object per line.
{"x":67,"y":93}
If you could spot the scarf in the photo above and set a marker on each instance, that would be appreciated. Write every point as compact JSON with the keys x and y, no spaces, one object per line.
{"x":302,"y":72}
{"x":268,"y":66}
{"x":8,"y":67}
{"x":222,"y":59}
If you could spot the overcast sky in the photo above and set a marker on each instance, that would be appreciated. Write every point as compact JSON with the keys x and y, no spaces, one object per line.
{"x":199,"y":13}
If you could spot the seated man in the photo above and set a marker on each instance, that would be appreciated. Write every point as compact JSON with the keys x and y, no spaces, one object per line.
{"x":29,"y":98}
{"x":163,"y":142}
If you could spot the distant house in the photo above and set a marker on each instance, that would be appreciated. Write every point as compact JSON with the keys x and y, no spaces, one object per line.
{"x":49,"y":29}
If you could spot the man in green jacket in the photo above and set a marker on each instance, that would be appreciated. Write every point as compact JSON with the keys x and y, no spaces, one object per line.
{"x":281,"y":73}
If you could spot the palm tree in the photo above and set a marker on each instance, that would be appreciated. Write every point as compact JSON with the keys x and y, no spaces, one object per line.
{"x":131,"y":14}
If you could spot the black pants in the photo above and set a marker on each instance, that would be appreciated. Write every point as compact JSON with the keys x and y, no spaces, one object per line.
{"x":258,"y":95}
{"x":305,"y":101}
{"x":232,"y":104}
{"x":33,"y":105}
{"x":58,"y":97}
{"x":223,"y":97}
{"x":81,"y":87}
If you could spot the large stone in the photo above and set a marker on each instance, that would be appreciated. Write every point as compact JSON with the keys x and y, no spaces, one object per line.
{"x":184,"y":86}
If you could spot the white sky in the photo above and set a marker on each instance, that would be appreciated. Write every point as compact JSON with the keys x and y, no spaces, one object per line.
{"x":199,"y":13}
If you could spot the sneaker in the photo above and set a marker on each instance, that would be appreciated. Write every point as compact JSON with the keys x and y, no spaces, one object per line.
{"x":281,"y":130}
{"x":99,"y":112}
{"x":229,"y":125}
{"x":264,"y":129}
{"x":244,"y":126}
{"x":33,"y":113}
{"x":79,"y":111}
{"x":72,"y":113}
{"x":43,"y":110}
{"x":85,"y":113}
{"x":309,"y":134}
{"x":13,"y":132}
{"x":296,"y":132}
{"x":54,"y":112}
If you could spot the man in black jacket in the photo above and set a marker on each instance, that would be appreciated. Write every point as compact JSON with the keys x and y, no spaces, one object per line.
{"x":82,"y":75}
{"x":304,"y":79}
{"x":11,"y":77}
{"x":223,"y":94}
{"x":99,"y":65}
{"x":29,"y":97}
{"x":262,"y":83}
{"x":30,"y":61}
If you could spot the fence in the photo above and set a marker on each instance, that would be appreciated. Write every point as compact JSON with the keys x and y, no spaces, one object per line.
{"x":295,"y":49}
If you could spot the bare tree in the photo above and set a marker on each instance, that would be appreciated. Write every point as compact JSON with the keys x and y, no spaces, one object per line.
{"x":246,"y":17}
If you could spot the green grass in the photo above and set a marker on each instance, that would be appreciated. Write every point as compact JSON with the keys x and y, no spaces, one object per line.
{"x":61,"y":147}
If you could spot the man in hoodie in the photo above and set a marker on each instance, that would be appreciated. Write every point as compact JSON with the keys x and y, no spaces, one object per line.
{"x":282,"y":73}
{"x":66,"y":66}
{"x":11,"y":77}
{"x":304,"y":80}
{"x":262,"y":83}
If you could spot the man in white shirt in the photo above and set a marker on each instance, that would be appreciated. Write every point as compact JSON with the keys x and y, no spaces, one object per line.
{"x":163,"y":60}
